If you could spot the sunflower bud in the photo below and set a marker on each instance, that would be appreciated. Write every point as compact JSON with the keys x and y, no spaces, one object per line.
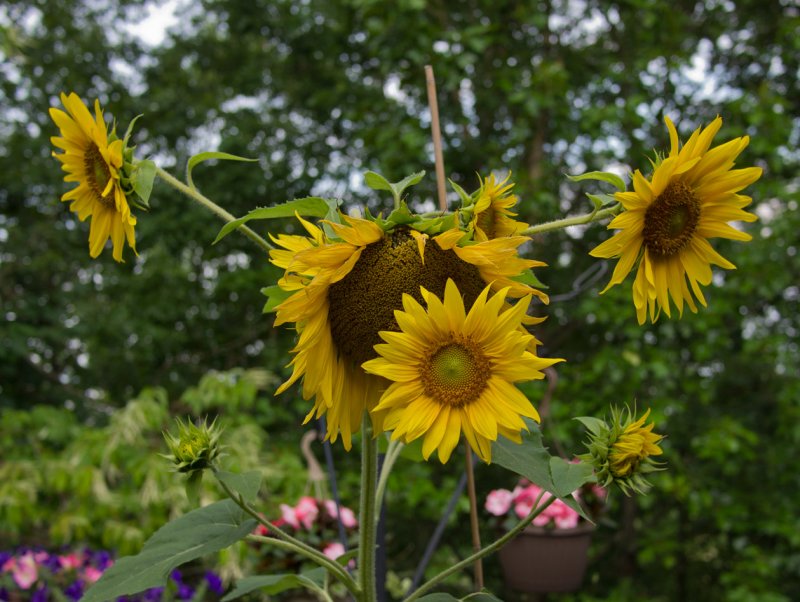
{"x":195,"y":448}
{"x":621,"y":452}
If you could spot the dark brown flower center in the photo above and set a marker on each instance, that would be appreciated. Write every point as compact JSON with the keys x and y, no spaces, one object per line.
{"x":97,"y":175}
{"x":455,"y":373}
{"x":671,"y":220}
{"x":363,"y":302}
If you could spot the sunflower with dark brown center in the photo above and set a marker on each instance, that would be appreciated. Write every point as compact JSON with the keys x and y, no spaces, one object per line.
{"x":91,"y":160}
{"x":347,"y":290}
{"x":667,"y":221}
{"x":453,"y":371}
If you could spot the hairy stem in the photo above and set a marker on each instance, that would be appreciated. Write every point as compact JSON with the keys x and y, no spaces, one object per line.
{"x":594,"y":216}
{"x":367,"y":515}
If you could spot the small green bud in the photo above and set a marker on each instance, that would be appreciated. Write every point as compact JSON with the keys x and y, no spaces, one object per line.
{"x":621,"y":452}
{"x":195,"y":448}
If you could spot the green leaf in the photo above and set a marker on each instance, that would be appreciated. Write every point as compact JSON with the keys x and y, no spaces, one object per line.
{"x":529,"y":278}
{"x":129,"y":131}
{"x":275,"y":296}
{"x":528,"y":459}
{"x":401,"y":216}
{"x":143,"y":176}
{"x":191,"y":536}
{"x":275,"y":584}
{"x":376,"y":181}
{"x":207,"y":156}
{"x":311,"y":206}
{"x":246,"y":485}
{"x":601,"y":200}
{"x":594,"y":425}
{"x":466,"y":199}
{"x":567,"y":476}
{"x":482,"y":596}
{"x":602,"y":176}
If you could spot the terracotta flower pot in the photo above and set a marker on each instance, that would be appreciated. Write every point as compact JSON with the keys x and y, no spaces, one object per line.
{"x":547,"y":560}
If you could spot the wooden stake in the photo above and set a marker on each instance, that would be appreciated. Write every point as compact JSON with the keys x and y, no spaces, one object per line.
{"x":437,"y":137}
{"x":473,"y":518}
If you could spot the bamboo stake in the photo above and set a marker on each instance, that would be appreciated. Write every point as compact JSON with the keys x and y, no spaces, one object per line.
{"x":437,"y":137}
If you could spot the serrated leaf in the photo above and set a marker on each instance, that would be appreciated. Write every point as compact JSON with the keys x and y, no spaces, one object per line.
{"x":275,"y":584}
{"x":246,"y":484}
{"x":275,"y":296}
{"x":200,"y":532}
{"x":602,"y":176}
{"x":408,"y":181}
{"x":144,"y":174}
{"x":207,"y":156}
{"x":376,"y":181}
{"x":311,"y":206}
{"x":567,"y":476}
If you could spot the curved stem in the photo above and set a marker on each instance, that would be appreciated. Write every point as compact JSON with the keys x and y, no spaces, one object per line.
{"x":594,"y":216}
{"x":298,"y":546}
{"x":473,"y":517}
{"x":196,"y":196}
{"x":367,"y":516}
{"x":537,"y":510}
{"x":392,"y":453}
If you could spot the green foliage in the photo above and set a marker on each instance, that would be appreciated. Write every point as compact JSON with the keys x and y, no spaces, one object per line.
{"x":321,"y":91}
{"x":275,"y":584}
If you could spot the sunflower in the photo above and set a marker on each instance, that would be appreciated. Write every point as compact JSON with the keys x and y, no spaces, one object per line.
{"x":691,"y":196}
{"x":94,"y":163}
{"x":453,"y":371}
{"x":492,"y":216}
{"x":636,"y":443}
{"x":344,"y":288}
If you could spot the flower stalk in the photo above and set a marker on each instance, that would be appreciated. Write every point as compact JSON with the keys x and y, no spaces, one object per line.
{"x":203,"y":200}
{"x":367,"y":513}
{"x":577,"y":220}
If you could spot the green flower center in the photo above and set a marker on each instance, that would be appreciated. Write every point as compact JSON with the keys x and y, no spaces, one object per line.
{"x":671,"y":220}
{"x":363,"y":302}
{"x":456,"y":373}
{"x":97,"y":175}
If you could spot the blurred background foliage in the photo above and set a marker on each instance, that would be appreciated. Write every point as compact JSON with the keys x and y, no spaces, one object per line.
{"x":95,"y":356}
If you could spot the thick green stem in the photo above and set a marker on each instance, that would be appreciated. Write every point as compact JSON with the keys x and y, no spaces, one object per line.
{"x":296,"y":545}
{"x":196,"y":196}
{"x":594,"y":216}
{"x":392,"y":453}
{"x":537,"y":510}
{"x":367,"y":523}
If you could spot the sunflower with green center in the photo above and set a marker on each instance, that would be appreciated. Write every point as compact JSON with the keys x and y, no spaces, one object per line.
{"x":344,"y":288}
{"x":691,"y":197}
{"x":452,"y":371}
{"x":492,"y":216}
{"x":95,"y":163}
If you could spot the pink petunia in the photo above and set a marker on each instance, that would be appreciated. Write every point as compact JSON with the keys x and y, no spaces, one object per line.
{"x":333,"y":550}
{"x":498,"y":502}
{"x":92,"y":574}
{"x":23,"y":570}
{"x":348,"y":517}
{"x":70,"y":562}
{"x":289,"y":517}
{"x":306,"y":511}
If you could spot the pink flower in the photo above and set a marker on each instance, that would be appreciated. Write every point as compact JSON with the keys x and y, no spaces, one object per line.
{"x":23,"y":570}
{"x":289,"y":516}
{"x":525,"y":498}
{"x":70,"y":562}
{"x":498,"y":502}
{"x":306,"y":511}
{"x":348,"y":517}
{"x":92,"y":574}
{"x":333,"y":550}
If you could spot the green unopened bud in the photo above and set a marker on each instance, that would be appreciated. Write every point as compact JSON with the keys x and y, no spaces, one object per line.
{"x":622,"y":452}
{"x":195,"y":448}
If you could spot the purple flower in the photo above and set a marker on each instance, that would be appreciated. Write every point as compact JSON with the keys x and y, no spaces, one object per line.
{"x":3,"y":594}
{"x":103,"y":560}
{"x":185,"y":592}
{"x":4,"y":557}
{"x":40,"y":595}
{"x":153,"y":594}
{"x":176,"y":576}
{"x":75,"y":590}
{"x":214,"y":582}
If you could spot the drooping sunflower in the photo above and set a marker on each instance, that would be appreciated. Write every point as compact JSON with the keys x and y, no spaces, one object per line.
{"x":94,"y":162}
{"x":690,"y":198}
{"x":453,"y":370}
{"x":345,"y":287}
{"x":492,"y":216}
